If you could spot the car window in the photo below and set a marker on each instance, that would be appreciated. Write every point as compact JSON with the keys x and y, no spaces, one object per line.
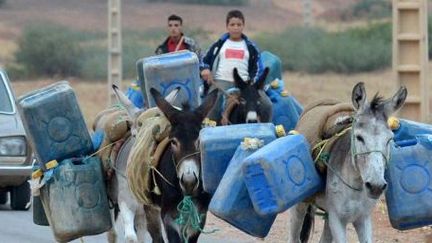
{"x":5,"y":99}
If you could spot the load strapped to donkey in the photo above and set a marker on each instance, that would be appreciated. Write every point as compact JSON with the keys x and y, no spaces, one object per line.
{"x":151,"y":139}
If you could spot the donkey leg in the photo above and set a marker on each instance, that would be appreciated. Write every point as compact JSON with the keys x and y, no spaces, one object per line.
{"x":128,"y":217}
{"x":112,"y":233}
{"x":172,"y":229}
{"x":363,"y":227}
{"x":337,"y":228}
{"x":111,"y":236}
{"x":326,"y":236}
{"x":154,"y":223}
{"x":295,"y":221}
{"x":141,"y":225}
{"x":193,"y":238}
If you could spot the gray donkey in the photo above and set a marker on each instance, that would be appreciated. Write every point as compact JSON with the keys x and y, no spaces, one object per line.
{"x":135,"y":218}
{"x":355,"y":175}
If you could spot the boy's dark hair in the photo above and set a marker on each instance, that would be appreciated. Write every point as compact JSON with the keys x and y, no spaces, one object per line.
{"x":174,"y":17}
{"x":234,"y":14}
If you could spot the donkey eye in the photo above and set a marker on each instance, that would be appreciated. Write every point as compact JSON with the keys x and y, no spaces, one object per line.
{"x":360,"y":138}
{"x":174,"y":143}
{"x":243,"y":101}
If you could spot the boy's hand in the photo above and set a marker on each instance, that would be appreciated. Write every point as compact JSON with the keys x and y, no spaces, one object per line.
{"x":206,"y":75}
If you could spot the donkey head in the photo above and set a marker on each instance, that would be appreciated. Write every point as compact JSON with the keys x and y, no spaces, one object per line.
{"x":185,"y":127}
{"x":250,"y":109}
{"x":371,"y":136}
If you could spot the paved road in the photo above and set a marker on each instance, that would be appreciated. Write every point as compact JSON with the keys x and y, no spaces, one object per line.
{"x":18,"y":227}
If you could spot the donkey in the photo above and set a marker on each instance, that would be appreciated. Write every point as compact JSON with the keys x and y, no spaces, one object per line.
{"x":249,"y":106}
{"x":181,"y":165}
{"x":355,"y":173}
{"x":179,"y":169}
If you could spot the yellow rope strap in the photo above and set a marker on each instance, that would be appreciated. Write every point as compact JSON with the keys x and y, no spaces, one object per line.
{"x":322,"y":145}
{"x":151,"y":141}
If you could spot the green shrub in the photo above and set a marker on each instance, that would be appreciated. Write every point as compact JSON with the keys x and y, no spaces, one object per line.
{"x":94,"y":63}
{"x":47,"y":49}
{"x":315,"y":50}
{"x":132,"y":51}
{"x":16,"y":71}
{"x":369,"y":9}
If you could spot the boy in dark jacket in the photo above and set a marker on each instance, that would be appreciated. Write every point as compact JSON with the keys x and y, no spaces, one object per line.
{"x":176,"y":40}
{"x":232,"y":50}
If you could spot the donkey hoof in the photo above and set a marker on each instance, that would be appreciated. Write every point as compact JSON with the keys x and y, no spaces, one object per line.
{"x":131,"y":239}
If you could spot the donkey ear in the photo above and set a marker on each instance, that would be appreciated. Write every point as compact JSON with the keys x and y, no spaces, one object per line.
{"x":259,"y":84}
{"x":132,"y":111}
{"x":238,"y":81}
{"x":168,"y":110}
{"x":358,"y":96}
{"x":395,"y":102}
{"x":207,"y":105}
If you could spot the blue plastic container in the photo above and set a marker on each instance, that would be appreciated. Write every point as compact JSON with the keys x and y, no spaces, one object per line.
{"x":218,"y":145}
{"x":170,"y":71}
{"x":75,"y":201}
{"x":231,"y":201}
{"x":54,"y":123}
{"x":273,"y":62}
{"x":135,"y":96}
{"x":281,"y":174}
{"x":409,"y":193}
{"x":406,"y":129}
{"x":285,"y":111}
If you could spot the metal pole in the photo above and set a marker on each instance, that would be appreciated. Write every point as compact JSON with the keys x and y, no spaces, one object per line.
{"x":307,"y":13}
{"x":114,"y":47}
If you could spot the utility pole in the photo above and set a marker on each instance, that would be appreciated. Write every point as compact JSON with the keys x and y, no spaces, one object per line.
{"x":114,"y":48}
{"x":307,"y":13}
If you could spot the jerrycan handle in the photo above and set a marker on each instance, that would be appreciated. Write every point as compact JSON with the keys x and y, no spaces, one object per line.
{"x":77,"y":161}
{"x":406,"y":143}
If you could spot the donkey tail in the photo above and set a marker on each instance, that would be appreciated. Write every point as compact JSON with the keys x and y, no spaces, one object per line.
{"x":308,"y":223}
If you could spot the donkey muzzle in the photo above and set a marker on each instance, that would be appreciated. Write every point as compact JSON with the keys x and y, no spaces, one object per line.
{"x":189,"y":182}
{"x":375,"y":190}
{"x":252,"y":117}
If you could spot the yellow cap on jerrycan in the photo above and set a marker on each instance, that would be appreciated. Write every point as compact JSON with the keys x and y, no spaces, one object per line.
{"x":274,"y":84}
{"x":284,"y":93}
{"x":293,"y":132}
{"x":393,"y":123}
{"x":280,"y":131}
{"x":37,"y":174}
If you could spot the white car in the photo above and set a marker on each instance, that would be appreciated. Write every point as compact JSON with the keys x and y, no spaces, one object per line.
{"x":15,"y":152}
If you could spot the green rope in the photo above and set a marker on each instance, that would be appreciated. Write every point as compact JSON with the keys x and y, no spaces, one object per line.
{"x":324,"y":156}
{"x":189,"y":217}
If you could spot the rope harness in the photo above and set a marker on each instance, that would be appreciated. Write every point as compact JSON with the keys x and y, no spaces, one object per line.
{"x":176,"y":165}
{"x":324,"y":157}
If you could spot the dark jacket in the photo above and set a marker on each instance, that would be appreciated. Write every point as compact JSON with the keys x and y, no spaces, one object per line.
{"x":190,"y":44}
{"x":255,"y":66}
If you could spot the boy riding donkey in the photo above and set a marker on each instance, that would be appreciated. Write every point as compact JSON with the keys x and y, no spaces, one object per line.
{"x":232,"y":50}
